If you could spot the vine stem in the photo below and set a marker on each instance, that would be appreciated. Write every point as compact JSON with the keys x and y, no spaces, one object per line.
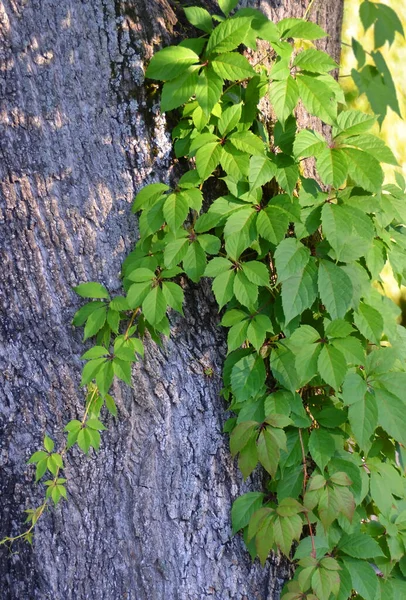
{"x":40,"y":510}
{"x":305,"y":480}
{"x":308,"y":9}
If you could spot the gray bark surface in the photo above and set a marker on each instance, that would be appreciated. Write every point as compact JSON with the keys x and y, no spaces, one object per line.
{"x":148,"y":516}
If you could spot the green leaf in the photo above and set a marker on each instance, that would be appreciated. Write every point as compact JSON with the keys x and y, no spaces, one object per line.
{"x":352,"y":350}
{"x":375,"y":146}
{"x":261,"y":171}
{"x":314,"y":61}
{"x":317,"y":98}
{"x":363,"y":418}
{"x":308,"y":143}
{"x":141,"y":275}
{"x":241,"y":435}
{"x":229,"y":119}
{"x":95,"y":322}
{"x":200,"y":18}
{"x":268,"y":451}
{"x":284,"y":95}
{"x":148,"y":195}
{"x":178,"y":91}
{"x":137,"y":293}
{"x":152,"y":219}
{"x":37,"y":457}
{"x":348,"y":230}
{"x":170,"y":62}
{"x":335,"y":289}
{"x":338,"y":328}
{"x":154,"y":306}
{"x":291,"y":257}
{"x":175,"y":251}
{"x":234,"y":162}
{"x":90,"y":369}
{"x":227,"y":6}
{"x":208,"y":90}
{"x":332,"y":167}
{"x":228,"y":35}
{"x":256,"y":272}
{"x":264,"y":539}
{"x":173,"y":295}
{"x":360,"y":545}
{"x":104,"y":378}
{"x":257,"y":328}
{"x":175,"y":210}
{"x":244,"y":507}
{"x":364,"y":169}
{"x":321,"y":447}
{"x":95,"y":424}
{"x":84,"y":440}
{"x":111,"y":405}
{"x":283,"y":367}
{"x":247,"y":377}
{"x":332,"y":366}
{"x":223,"y":287}
{"x":237,"y":335}
{"x":272,"y":224}
{"x":82,"y":314}
{"x":194,"y":262}
{"x":95,"y":352}
{"x":232,"y":66}
{"x":369,"y":321}
{"x":216,"y":266}
{"x":359,"y":52}
{"x":246,"y":141}
{"x":91,"y":290}
{"x":298,"y":28}
{"x":363,"y":577}
{"x":48,"y":444}
{"x":245,"y":291}
{"x":324,"y":582}
{"x":299,"y":291}
{"x":391,"y":411}
{"x":122,"y":370}
{"x":207,"y":159}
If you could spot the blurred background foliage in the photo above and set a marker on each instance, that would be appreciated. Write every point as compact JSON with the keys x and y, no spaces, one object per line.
{"x":393,"y":129}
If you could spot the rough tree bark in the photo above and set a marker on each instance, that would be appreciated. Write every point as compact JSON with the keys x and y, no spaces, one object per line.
{"x":148,"y":516}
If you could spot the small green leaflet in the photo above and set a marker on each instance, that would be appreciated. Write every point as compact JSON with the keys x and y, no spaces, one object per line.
{"x":299,"y":291}
{"x":261,"y":171}
{"x":317,"y":98}
{"x":170,"y":62}
{"x":369,"y":321}
{"x":232,"y":66}
{"x":227,"y":5}
{"x":332,"y":366}
{"x":244,"y":507}
{"x":228,"y":35}
{"x":284,"y":95}
{"x":208,"y":89}
{"x":335,"y":289}
{"x":314,"y":61}
{"x":200,"y":18}
{"x":332,"y":166}
{"x":179,"y":90}
{"x":298,"y":28}
{"x":321,"y":447}
{"x":291,"y":257}
{"x":308,"y":143}
{"x":91,"y":290}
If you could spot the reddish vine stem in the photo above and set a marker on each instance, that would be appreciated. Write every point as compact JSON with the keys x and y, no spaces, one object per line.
{"x":305,"y":480}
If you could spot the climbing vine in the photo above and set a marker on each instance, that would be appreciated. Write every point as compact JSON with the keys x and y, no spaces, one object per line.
{"x":294,"y":244}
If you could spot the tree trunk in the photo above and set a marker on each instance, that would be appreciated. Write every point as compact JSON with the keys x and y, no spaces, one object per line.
{"x":148,"y":516}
